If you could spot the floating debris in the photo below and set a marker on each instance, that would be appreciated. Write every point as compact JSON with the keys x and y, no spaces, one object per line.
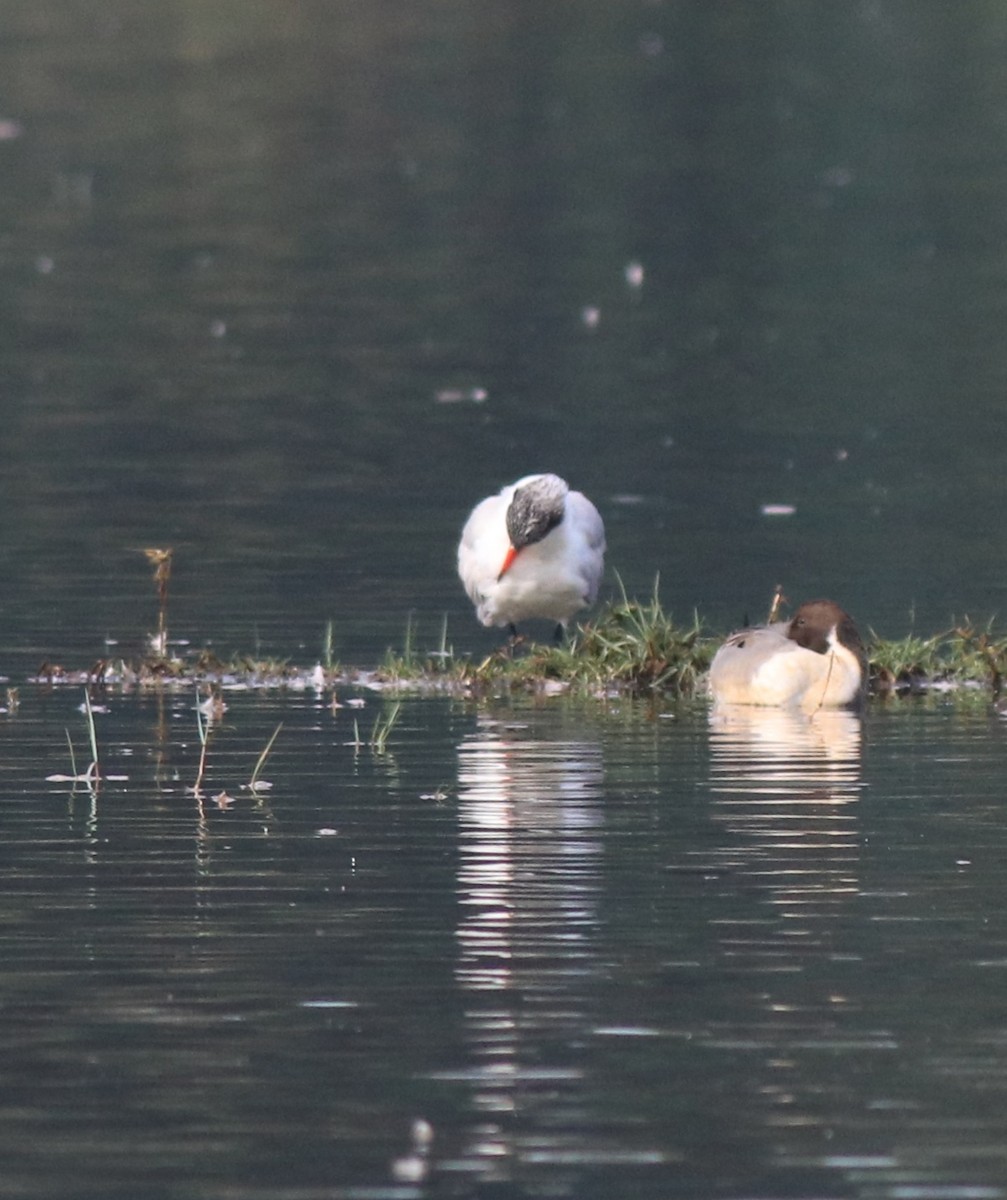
{"x":778,"y":510}
{"x":474,"y":395}
{"x":634,"y":274}
{"x":590,"y":315}
{"x":213,"y":707}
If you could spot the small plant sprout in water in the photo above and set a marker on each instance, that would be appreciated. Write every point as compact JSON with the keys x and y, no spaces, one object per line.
{"x":408,"y":652}
{"x":380,"y":731}
{"x":383,"y":726}
{"x":444,"y":652}
{"x":255,"y":784}
{"x":160,"y":560}
{"x":92,"y":776}
{"x":321,"y":677}
{"x":414,"y":664}
{"x":207,"y":717}
{"x":327,"y":643}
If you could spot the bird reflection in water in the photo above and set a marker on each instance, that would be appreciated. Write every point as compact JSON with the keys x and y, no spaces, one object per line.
{"x":785,"y":785}
{"x":530,"y":816}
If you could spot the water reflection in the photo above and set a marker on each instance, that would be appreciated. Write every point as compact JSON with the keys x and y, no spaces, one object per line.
{"x":782,"y":751}
{"x":785,"y":785}
{"x":530,"y":825}
{"x":785,"y":788}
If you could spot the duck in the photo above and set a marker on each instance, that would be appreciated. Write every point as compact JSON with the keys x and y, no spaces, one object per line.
{"x":535,"y":550}
{"x":814,"y":660}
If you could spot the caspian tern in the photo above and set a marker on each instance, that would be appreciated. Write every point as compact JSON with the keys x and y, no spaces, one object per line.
{"x":536,"y":549}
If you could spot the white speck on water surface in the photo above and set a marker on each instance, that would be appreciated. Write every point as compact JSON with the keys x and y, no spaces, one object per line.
{"x":473,"y":395}
{"x":634,"y":274}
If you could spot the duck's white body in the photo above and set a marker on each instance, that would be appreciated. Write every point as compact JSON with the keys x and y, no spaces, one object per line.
{"x":549,"y":576}
{"x":815,"y":660}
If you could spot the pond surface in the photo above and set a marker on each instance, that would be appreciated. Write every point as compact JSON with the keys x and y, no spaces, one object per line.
{"x":291,"y":292}
{"x":535,"y":949}
{"x":288,"y":288}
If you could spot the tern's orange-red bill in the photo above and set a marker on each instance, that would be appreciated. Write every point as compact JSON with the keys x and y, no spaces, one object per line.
{"x":508,"y":560}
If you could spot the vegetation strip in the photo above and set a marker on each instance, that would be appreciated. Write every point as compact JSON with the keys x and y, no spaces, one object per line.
{"x":633,"y":648}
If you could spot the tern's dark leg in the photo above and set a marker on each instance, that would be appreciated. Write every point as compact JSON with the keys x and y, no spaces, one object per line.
{"x":514,"y":639}
{"x":559,"y":634}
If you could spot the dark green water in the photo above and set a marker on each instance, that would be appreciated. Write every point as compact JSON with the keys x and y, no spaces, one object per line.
{"x":530,"y":950}
{"x":245,"y":252}
{"x":288,"y":287}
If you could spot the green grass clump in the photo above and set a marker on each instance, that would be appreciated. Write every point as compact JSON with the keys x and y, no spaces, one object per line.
{"x":904,"y":661}
{"x":633,"y":647}
{"x":637,"y":646}
{"x":961,"y":654}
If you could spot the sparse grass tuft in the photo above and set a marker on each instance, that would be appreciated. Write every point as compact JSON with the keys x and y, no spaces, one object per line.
{"x":254,"y":784}
{"x":414,"y":665}
{"x":383,"y":726}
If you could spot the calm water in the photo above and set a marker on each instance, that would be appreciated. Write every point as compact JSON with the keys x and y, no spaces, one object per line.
{"x":245,"y":256}
{"x":533,"y":950}
{"x":288,"y":288}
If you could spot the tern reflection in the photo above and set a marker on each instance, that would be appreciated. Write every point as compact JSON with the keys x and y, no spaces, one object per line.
{"x":785,"y":787}
{"x":530,"y":816}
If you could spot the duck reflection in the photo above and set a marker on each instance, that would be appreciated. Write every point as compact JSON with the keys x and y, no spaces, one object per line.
{"x":530,"y":817}
{"x":785,"y":786}
{"x":784,"y":750}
